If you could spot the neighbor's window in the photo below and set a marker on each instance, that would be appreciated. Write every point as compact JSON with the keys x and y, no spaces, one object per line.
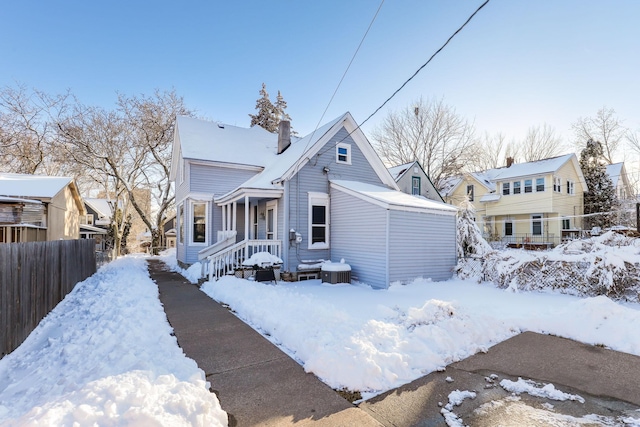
{"x":539,"y":184}
{"x":181,"y":223}
{"x":343,"y":153}
{"x":566,"y":223}
{"x":508,"y":228}
{"x":516,"y":187}
{"x":557,"y":184}
{"x":415,"y":185}
{"x":470,"y":192}
{"x":318,"y":221}
{"x":536,"y":225}
{"x":528,"y":186}
{"x":506,"y":188}
{"x":570,"y":187}
{"x":199,"y":223}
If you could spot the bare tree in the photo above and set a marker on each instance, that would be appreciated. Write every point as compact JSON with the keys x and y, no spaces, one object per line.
{"x":491,"y":152}
{"x":430,"y":132}
{"x":128,"y":151}
{"x":605,"y":128}
{"x":27,"y":137}
{"x":540,"y":143}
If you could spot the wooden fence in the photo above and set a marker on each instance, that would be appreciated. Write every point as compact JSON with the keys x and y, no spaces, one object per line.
{"x":34,"y":278}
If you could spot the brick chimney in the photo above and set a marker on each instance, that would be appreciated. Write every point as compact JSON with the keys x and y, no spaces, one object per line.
{"x":284,"y":135}
{"x":509,"y":161}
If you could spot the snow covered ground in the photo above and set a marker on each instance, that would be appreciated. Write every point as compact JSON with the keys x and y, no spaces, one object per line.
{"x":369,"y":340}
{"x":105,"y":356}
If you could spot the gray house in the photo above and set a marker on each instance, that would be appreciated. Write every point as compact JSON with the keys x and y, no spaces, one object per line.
{"x":326,"y":196}
{"x":412,"y":179}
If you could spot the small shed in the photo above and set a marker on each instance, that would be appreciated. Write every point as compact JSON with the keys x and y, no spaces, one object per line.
{"x":388,"y":236}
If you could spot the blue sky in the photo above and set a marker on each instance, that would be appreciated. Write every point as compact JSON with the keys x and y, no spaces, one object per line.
{"x":517,"y":64}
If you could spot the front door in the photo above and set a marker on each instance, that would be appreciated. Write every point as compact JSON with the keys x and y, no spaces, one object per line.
{"x":272,"y":220}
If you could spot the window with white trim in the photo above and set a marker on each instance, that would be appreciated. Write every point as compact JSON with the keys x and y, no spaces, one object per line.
{"x":508,"y":227}
{"x":343,"y":153}
{"x":557,"y":184}
{"x":528,"y":186}
{"x":570,"y":187}
{"x":516,"y":187}
{"x":566,"y":223}
{"x":415,"y":185}
{"x":255,"y":222}
{"x":199,"y":222}
{"x":506,"y":188}
{"x":318,"y":221}
{"x":536,"y":225}
{"x":539,"y":184}
{"x":470,"y":190}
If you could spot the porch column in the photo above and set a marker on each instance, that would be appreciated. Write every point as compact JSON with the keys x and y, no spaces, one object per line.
{"x":233,"y":218}
{"x":224,"y":217}
{"x":246,"y":217}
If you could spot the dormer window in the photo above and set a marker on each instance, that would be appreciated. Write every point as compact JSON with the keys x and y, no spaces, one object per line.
{"x":343,"y":153}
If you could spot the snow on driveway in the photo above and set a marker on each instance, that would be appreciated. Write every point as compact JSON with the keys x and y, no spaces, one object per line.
{"x":105,"y":356}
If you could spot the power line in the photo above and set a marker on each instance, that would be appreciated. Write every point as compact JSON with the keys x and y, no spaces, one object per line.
{"x":410,"y":78}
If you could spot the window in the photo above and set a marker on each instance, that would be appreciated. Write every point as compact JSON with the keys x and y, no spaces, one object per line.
{"x":90,"y":219}
{"x":318,"y":221}
{"x":343,"y":153}
{"x":536,"y":225}
{"x":539,"y":184}
{"x":181,"y":223}
{"x":415,"y":185}
{"x":528,"y":186}
{"x":516,"y":187}
{"x":566,"y":223}
{"x":570,"y":187}
{"x":199,"y":223}
{"x":508,"y":228}
{"x":557,"y":184}
{"x":470,"y":192}
{"x":506,"y":188}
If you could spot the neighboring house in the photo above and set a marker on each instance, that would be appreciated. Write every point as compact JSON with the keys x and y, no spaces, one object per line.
{"x":326,"y":196}
{"x":38,"y":208}
{"x":537,"y":202}
{"x":95,"y":223}
{"x":412,"y":179}
{"x":618,"y":175}
{"x":170,"y":232}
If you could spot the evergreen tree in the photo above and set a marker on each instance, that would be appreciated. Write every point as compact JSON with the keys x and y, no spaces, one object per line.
{"x":601,"y":195}
{"x":269,"y":115}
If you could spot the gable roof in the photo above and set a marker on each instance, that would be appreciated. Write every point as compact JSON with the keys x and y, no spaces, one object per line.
{"x":614,"y":172}
{"x":38,"y":187}
{"x":276,"y":168}
{"x":392,"y":199}
{"x":538,"y":167}
{"x":397,"y":171}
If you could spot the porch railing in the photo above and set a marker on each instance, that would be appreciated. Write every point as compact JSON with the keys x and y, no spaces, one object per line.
{"x":547,"y":239}
{"x":230,"y":259}
{"x":225,"y":239}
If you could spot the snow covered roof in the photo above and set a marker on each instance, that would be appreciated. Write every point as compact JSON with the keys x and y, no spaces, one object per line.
{"x":204,"y":140}
{"x":533,"y":168}
{"x":397,"y":171}
{"x":4,"y":199}
{"x":615,"y":172}
{"x":392,"y":199}
{"x":32,"y":186}
{"x":101,"y":206}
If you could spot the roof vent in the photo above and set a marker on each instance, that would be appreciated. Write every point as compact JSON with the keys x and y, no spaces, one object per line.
{"x":221,"y":125}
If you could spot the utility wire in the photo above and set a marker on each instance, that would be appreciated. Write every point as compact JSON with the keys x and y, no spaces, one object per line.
{"x":412,"y":76}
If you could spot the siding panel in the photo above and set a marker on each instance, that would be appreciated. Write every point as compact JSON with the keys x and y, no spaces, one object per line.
{"x":358,"y":234}
{"x":421,"y":244}
{"x":216,"y":180}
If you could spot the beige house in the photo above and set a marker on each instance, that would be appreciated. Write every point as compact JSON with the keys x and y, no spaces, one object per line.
{"x":38,"y":208}
{"x":537,"y":203}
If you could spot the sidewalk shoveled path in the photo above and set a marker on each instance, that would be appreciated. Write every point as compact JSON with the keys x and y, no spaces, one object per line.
{"x":256,"y":383}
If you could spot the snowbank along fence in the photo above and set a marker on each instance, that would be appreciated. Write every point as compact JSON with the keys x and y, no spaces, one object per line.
{"x":34,"y":278}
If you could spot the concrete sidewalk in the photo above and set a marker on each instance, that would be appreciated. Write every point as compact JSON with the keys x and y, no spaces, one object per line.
{"x":256,"y":383}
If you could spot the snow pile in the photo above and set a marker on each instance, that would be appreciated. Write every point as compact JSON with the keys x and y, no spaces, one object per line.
{"x":262,"y":259}
{"x":532,"y":388}
{"x":192,"y":274}
{"x":105,"y":356}
{"x":455,"y":399}
{"x":604,"y":265}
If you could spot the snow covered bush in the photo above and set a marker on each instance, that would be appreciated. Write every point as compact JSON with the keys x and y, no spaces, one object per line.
{"x":604,"y":265}
{"x":471,"y":246}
